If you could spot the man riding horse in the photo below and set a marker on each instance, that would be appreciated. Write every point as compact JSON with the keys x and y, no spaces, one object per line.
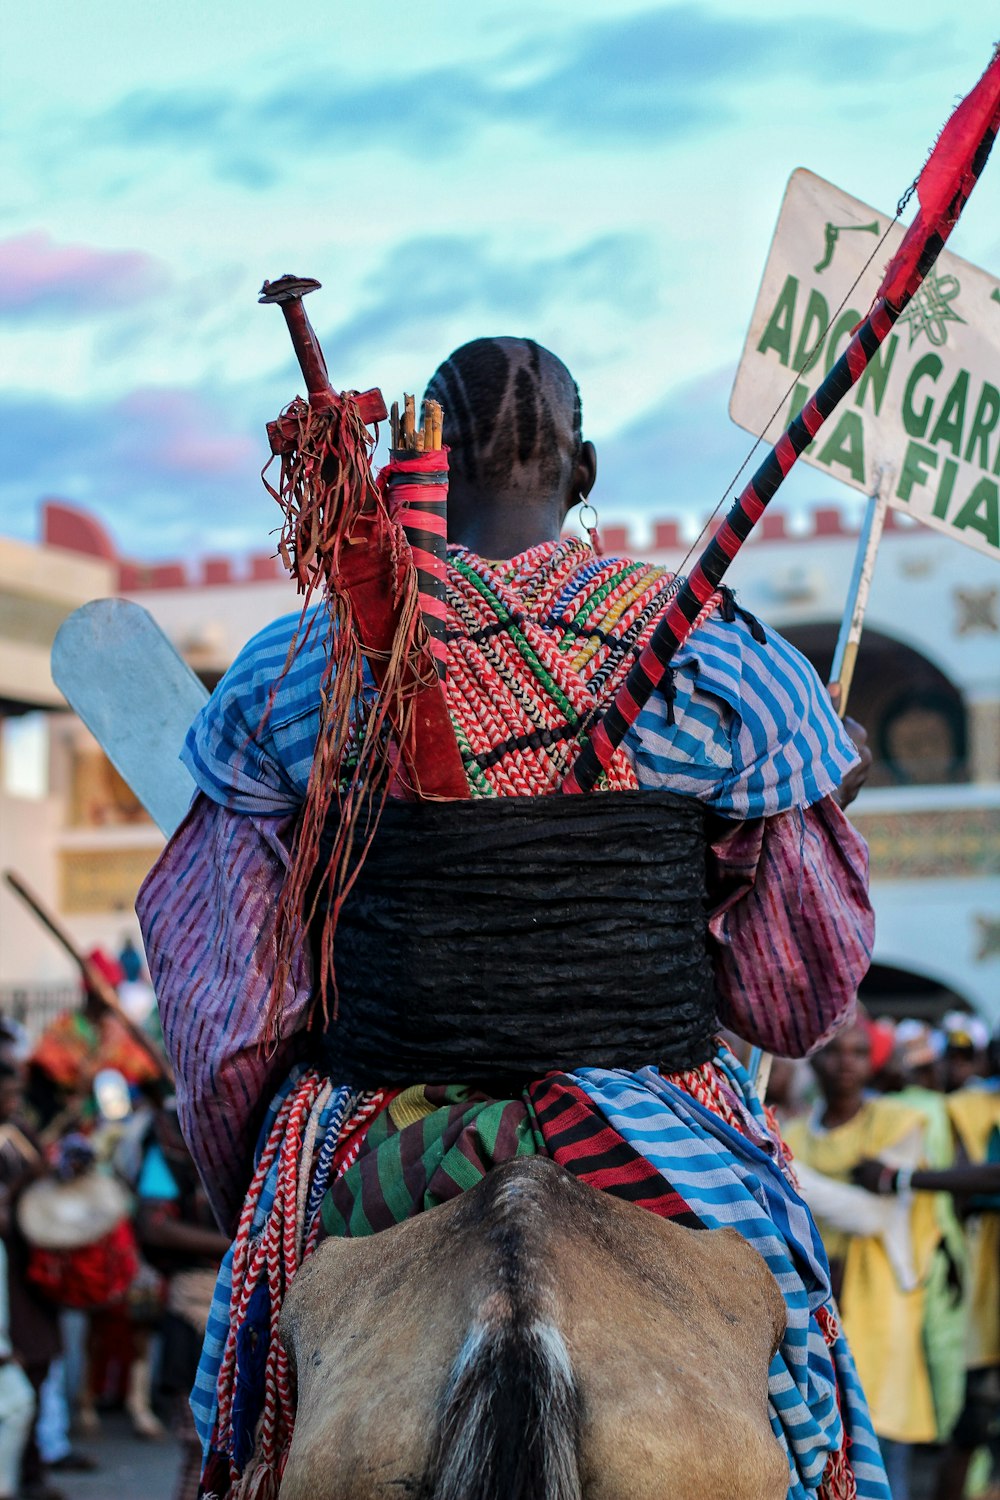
{"x":516,"y":974}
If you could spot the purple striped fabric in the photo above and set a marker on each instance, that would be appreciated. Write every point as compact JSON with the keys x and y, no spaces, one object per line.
{"x":790,"y":926}
{"x":207,"y":909}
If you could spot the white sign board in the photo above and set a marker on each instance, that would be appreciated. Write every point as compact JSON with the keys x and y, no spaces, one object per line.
{"x":928,"y":406}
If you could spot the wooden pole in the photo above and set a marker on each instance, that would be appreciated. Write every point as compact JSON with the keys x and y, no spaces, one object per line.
{"x":846,"y":654}
{"x":844,"y":658}
{"x":94,"y":980}
{"x":758,"y":1065}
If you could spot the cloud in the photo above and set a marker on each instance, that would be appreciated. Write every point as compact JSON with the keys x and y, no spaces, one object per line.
{"x":665,"y":73}
{"x":677,"y":456}
{"x":682,"y":457}
{"x":166,"y":469}
{"x":37,"y":275}
{"x":433,"y":282}
{"x":658,"y":75}
{"x":176,"y":432}
{"x":171,"y":474}
{"x":428,"y":113}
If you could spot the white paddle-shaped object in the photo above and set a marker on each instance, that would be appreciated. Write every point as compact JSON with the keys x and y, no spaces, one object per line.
{"x":137,"y":696}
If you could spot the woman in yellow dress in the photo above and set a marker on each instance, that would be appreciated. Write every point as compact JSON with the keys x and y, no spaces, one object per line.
{"x":882,"y":1317}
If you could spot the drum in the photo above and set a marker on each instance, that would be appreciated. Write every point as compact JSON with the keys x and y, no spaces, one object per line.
{"x":83,"y":1251}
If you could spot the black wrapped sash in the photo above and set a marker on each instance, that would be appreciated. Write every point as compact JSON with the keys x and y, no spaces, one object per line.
{"x":501,"y":938}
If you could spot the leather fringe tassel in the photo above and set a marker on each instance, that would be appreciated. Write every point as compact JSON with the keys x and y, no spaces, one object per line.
{"x":327,"y":493}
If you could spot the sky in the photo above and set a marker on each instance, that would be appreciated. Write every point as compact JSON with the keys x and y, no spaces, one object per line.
{"x":604,"y":178}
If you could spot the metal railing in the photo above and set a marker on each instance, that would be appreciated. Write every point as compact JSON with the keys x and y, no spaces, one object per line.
{"x":35,"y":1006}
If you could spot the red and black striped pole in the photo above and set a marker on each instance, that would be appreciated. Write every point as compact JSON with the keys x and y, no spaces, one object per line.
{"x":944,"y":186}
{"x":418,"y":496}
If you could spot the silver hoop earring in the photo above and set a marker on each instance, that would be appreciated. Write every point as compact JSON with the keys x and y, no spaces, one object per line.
{"x":590,"y":526}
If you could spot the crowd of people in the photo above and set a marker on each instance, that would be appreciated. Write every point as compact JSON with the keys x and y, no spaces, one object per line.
{"x":881,"y":1116}
{"x":108,"y":1249}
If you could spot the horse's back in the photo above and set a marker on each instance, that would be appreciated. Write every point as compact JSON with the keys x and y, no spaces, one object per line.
{"x":534,"y":1338}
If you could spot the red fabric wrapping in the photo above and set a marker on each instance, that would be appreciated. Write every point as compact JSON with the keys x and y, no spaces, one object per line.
{"x":946,"y":182}
{"x":338,"y":537}
{"x":431,"y":763}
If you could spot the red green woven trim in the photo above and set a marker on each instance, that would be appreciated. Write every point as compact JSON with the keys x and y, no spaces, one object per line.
{"x":537,"y":645}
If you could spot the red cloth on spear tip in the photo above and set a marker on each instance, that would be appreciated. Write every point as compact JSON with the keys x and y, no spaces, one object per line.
{"x":946,"y":181}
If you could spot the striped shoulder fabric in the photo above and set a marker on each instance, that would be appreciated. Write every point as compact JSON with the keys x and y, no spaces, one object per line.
{"x":755,"y":732}
{"x":252,"y":752}
{"x":751,"y":731}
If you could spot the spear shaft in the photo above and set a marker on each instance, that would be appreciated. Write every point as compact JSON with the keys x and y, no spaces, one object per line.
{"x":102,"y":991}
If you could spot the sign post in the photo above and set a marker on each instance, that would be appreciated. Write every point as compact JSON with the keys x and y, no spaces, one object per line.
{"x":849,"y":639}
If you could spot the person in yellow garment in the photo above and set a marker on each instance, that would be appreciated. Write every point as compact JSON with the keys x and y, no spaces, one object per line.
{"x":975,"y":1119}
{"x":974,"y":1183}
{"x":917,"y":1072}
{"x":882,"y":1317}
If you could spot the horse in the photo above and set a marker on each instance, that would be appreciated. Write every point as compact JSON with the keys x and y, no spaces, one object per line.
{"x":534,"y":1339}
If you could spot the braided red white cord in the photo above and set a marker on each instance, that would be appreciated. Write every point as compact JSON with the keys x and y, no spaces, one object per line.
{"x":274,"y":1256}
{"x":707,"y":1085}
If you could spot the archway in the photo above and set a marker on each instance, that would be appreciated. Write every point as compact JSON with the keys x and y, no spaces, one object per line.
{"x":899,"y":994}
{"x":915,"y":717}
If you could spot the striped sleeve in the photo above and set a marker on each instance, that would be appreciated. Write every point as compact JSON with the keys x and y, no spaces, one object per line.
{"x":251,"y":747}
{"x":208,"y":913}
{"x":792,"y":929}
{"x":755,"y":733}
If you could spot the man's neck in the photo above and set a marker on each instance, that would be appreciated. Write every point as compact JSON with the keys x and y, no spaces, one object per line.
{"x":495,"y":529}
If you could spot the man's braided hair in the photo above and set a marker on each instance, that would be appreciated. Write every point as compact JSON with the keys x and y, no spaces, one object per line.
{"x":512,"y":416}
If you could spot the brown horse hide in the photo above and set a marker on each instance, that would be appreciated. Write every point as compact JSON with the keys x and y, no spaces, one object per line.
{"x":534,"y":1338}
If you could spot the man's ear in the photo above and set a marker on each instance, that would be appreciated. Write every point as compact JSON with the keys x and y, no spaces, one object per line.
{"x":585,"y":473}
{"x":581,"y":480}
